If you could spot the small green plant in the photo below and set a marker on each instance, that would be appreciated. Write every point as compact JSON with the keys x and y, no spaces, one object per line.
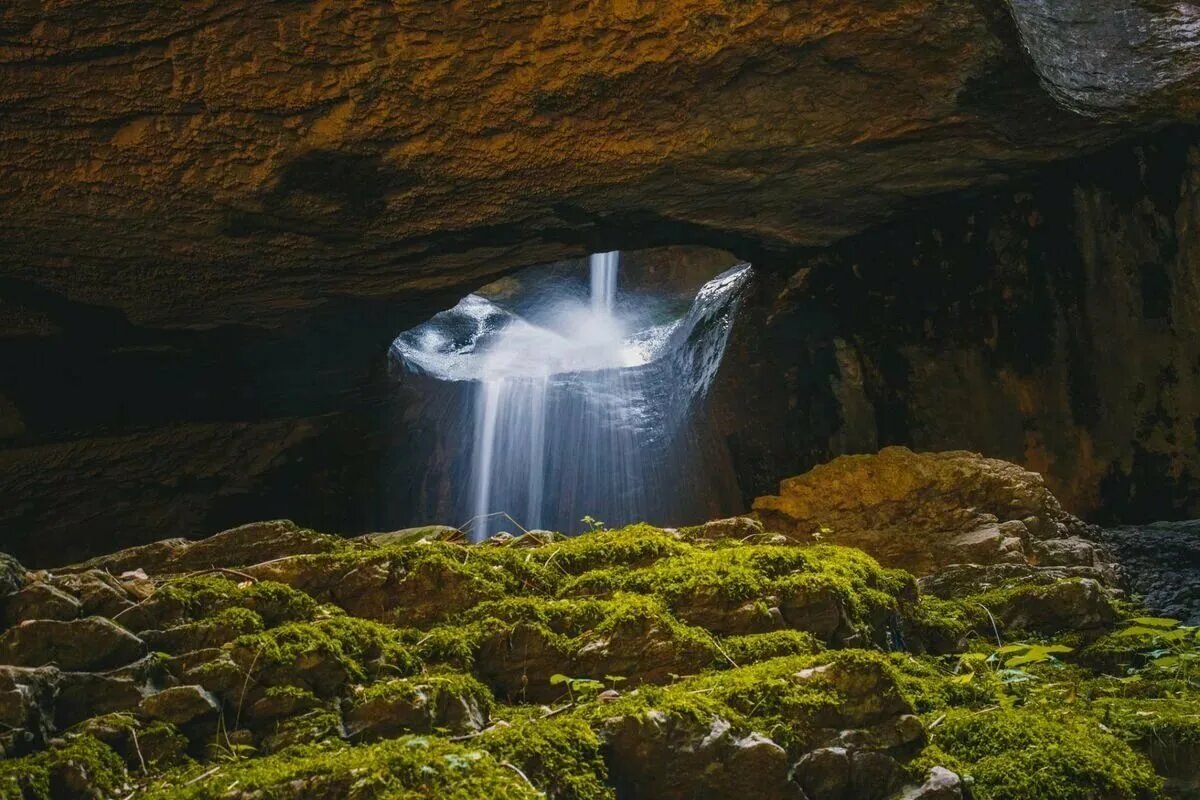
{"x":1174,"y":650}
{"x":578,"y":689}
{"x":594,"y":525}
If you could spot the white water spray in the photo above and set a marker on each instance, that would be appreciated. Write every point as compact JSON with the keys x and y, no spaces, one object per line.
{"x":575,"y":411}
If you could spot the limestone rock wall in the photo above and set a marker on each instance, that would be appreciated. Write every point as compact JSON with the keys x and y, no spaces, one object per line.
{"x":1055,"y":325}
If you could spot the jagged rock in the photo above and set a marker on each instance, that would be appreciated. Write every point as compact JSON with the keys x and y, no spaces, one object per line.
{"x":379,"y":589}
{"x":824,"y":773}
{"x":1162,"y":563}
{"x":274,"y":705}
{"x":1072,"y":551}
{"x":180,"y":705}
{"x":893,"y":734}
{"x":1077,"y":605}
{"x":940,"y":784}
{"x":739,"y":528}
{"x":99,"y":593}
{"x":202,"y":635}
{"x":413,"y":706}
{"x":965,"y":580}
{"x":86,"y":694}
{"x":920,"y":511}
{"x":12,"y":575}
{"x":39,"y":601}
{"x":88,"y":643}
{"x":869,"y":696}
{"x":674,"y":757}
{"x":873,"y":775}
{"x":820,"y":612}
{"x":427,"y":533}
{"x":26,"y":707}
{"x":247,"y":544}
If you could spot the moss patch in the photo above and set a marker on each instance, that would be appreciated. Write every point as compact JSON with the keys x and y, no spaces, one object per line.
{"x":1026,"y":753}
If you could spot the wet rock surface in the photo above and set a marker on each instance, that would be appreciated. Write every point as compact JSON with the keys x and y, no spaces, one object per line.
{"x":1162,"y":564}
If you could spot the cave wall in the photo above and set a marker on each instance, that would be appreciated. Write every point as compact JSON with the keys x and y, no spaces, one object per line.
{"x":1055,"y":324}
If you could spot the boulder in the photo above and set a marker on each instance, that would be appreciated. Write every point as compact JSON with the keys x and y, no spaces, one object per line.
{"x":12,"y":575}
{"x":923,"y":511}
{"x":180,"y":705}
{"x":90,"y":643}
{"x":39,"y":601}
{"x":244,"y":545}
{"x":739,"y":528}
{"x":26,"y":707}
{"x":677,"y":757}
{"x":940,"y":784}
{"x":416,"y":706}
{"x":86,"y":694}
{"x":99,"y":593}
{"x":824,"y":773}
{"x":1076,"y":605}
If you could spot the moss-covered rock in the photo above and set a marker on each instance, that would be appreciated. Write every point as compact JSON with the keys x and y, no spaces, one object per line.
{"x":560,"y":755}
{"x":83,"y":768}
{"x":1043,"y":753}
{"x":408,"y":768}
{"x":674,"y":664}
{"x":437,"y":701}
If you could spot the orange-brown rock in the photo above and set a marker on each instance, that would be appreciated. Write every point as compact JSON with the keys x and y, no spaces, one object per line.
{"x":193,"y":165}
{"x":924,"y":511}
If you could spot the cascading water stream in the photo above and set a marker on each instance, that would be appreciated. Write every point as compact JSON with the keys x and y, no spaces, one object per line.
{"x":603,"y":268}
{"x":575,"y":405}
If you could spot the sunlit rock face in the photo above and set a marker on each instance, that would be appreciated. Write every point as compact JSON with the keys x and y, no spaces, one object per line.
{"x":238,"y":162}
{"x":1114,"y":57}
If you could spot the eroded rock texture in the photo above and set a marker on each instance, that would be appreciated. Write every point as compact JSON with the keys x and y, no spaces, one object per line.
{"x":1054,"y":326}
{"x":180,"y":163}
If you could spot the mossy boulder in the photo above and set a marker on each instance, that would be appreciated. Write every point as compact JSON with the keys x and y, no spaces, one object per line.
{"x":631,"y":663}
{"x":82,"y":768}
{"x":408,"y":768}
{"x":89,"y":643}
{"x":1043,"y":753}
{"x":440,"y":701}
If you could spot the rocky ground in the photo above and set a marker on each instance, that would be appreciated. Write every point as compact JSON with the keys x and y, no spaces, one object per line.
{"x":781,"y":656}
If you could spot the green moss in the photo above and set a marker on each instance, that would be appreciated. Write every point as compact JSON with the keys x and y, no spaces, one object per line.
{"x":408,"y":768}
{"x":561,"y":755}
{"x":33,"y":777}
{"x":696,"y":581}
{"x":191,"y":599}
{"x":314,"y":725}
{"x":431,"y":685}
{"x":632,"y":546}
{"x":570,"y":624}
{"x":153,"y":744}
{"x":789,"y":699}
{"x":1175,"y":720}
{"x":939,"y":625}
{"x":1016,"y":754}
{"x":753,"y":648}
{"x":291,"y":653}
{"x":934,"y":685}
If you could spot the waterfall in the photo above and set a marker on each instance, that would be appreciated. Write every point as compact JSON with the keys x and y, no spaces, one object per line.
{"x":603,"y":268}
{"x":577,"y":405}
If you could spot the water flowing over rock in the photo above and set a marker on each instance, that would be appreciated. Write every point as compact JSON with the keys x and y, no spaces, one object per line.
{"x":577,"y":408}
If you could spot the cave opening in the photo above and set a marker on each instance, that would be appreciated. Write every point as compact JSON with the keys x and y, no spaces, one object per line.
{"x":573,"y":394}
